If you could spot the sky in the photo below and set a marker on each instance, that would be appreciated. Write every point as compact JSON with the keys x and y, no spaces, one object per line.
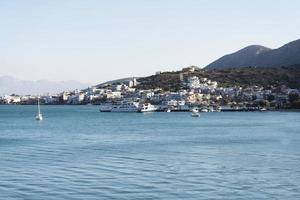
{"x":93,"y":41}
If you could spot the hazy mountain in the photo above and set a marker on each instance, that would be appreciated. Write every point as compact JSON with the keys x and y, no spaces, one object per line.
{"x":10,"y":85}
{"x":260,"y":56}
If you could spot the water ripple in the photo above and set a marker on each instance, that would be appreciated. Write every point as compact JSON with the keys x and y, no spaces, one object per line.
{"x":79,"y":153}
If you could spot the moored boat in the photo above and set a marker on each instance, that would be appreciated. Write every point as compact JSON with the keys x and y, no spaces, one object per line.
{"x":147,"y":107}
{"x":195,"y":112}
{"x":124,"y":106}
{"x":204,"y":110}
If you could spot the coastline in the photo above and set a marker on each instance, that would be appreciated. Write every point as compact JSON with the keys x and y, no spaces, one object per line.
{"x":227,"y":110}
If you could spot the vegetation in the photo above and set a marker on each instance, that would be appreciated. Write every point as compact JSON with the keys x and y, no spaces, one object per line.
{"x":229,"y":77}
{"x":168,"y":81}
{"x":294,"y":100}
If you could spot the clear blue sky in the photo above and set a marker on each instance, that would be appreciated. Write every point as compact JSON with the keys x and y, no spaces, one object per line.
{"x":94,"y":41}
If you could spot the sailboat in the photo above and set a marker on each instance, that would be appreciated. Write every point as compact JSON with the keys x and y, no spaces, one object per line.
{"x":39,"y":115}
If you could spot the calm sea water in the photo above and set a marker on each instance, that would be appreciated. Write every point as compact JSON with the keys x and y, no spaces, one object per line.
{"x":79,"y":153}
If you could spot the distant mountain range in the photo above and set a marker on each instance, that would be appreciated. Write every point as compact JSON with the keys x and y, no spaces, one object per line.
{"x":260,"y":56}
{"x":251,"y":56}
{"x":10,"y":85}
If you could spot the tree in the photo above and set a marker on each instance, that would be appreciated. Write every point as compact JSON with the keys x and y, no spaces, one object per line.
{"x":270,"y":97}
{"x":293,"y":97}
{"x":296,"y":104}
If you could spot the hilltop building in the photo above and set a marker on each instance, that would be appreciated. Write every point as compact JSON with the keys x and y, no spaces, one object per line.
{"x":193,"y":82}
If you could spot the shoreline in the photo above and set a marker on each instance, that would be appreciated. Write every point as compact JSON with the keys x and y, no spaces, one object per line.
{"x":227,"y":110}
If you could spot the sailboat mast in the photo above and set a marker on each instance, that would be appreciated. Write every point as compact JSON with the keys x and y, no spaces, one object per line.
{"x":39,"y":111}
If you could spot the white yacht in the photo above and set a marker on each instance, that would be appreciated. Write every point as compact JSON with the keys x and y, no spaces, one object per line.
{"x":39,"y":115}
{"x":147,"y":107}
{"x":125,"y":106}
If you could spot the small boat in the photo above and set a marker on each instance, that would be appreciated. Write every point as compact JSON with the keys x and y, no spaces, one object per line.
{"x":262,"y":109}
{"x":168,"y":110}
{"x":204,"y":110}
{"x":195,"y":113}
{"x":147,"y":107}
{"x":39,"y":115}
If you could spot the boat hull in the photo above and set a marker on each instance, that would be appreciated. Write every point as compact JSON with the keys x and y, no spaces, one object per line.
{"x":123,"y":107}
{"x":39,"y":117}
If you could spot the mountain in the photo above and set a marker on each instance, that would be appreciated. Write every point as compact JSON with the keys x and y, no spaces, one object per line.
{"x":260,"y":56}
{"x":10,"y":85}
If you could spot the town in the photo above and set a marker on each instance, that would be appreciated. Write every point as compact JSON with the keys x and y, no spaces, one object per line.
{"x":200,"y":92}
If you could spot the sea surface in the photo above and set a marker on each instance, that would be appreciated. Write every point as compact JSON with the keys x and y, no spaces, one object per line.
{"x":76,"y":152}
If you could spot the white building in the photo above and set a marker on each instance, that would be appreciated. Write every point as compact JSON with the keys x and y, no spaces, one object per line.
{"x":132,"y":83}
{"x":190,"y":69}
{"x":65,"y":96}
{"x":80,"y":97}
{"x":193,"y":82}
{"x":15,"y":99}
{"x":49,"y":99}
{"x":76,"y":98}
{"x":6,"y":99}
{"x":119,"y":87}
{"x":113,"y":95}
{"x":214,"y":84}
{"x":135,"y":82}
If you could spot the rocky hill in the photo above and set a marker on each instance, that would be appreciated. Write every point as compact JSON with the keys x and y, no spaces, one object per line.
{"x":260,"y":56}
{"x":246,"y":76}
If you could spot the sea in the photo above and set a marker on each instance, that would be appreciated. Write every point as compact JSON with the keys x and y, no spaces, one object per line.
{"x":77,"y":152}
